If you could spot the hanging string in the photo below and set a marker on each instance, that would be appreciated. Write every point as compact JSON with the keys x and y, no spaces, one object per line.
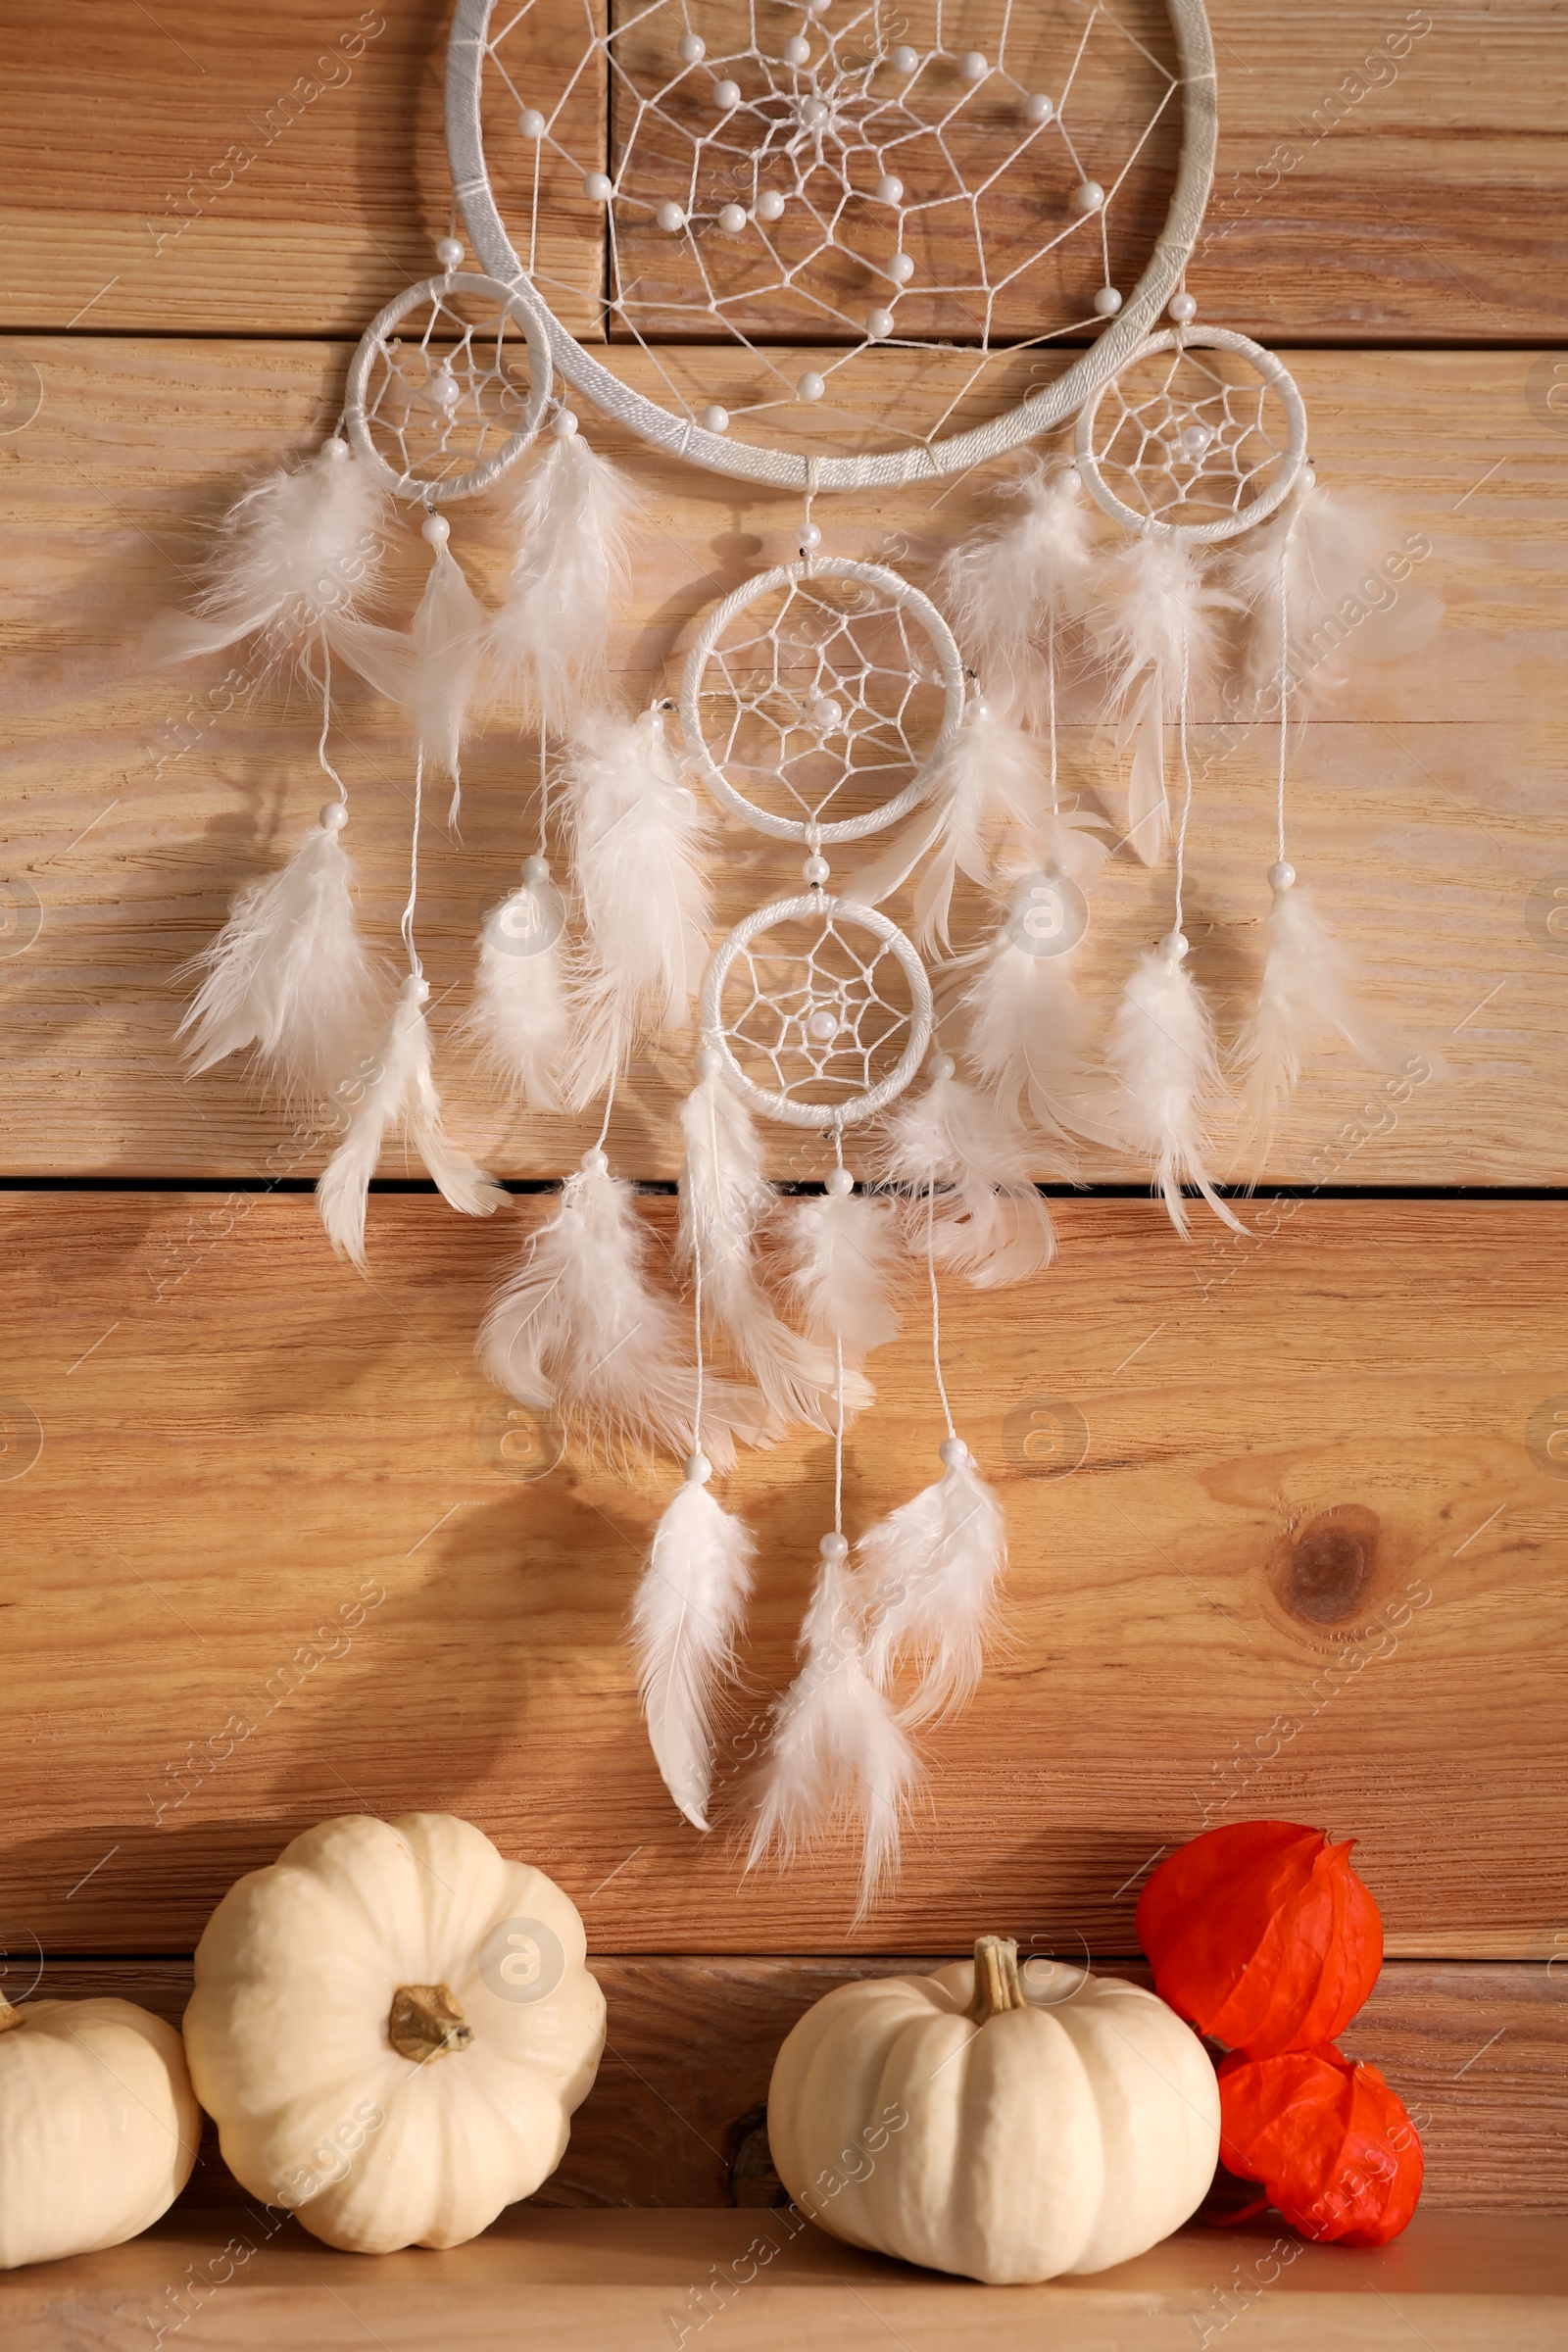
{"x":327,"y":721}
{"x":609,"y":1102}
{"x":1050,"y":703}
{"x":1285,"y":671}
{"x":838,"y":1390}
{"x":1186,"y":779}
{"x":544,"y":790}
{"x":406,"y":925}
{"x":697,"y":1313}
{"x":935,"y":1309}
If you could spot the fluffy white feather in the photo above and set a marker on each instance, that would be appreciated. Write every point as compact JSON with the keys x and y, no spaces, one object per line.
{"x":287,"y":974}
{"x":432,"y":668}
{"x":684,"y":1624}
{"x":725,"y":1198}
{"x":580,"y":1328}
{"x":638,"y":836}
{"x":1013,"y":584}
{"x":1307,"y":995}
{"x":966,"y":1173}
{"x":837,"y":1751}
{"x":929,"y":1572}
{"x":295,"y":556}
{"x":400,"y":1092}
{"x":1162,"y":1054}
{"x":519,"y":1019}
{"x":1157,"y":623}
{"x":840,"y":1253}
{"x":548,"y":642}
{"x":1027,"y":1031}
{"x":1328,"y":561}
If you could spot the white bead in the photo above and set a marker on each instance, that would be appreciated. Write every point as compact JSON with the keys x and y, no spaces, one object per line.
{"x":563,"y":424}
{"x":823,"y":1027}
{"x":532,"y":123}
{"x":1183,"y":308}
{"x":901,"y":269}
{"x":888,"y":188}
{"x":691,"y":48}
{"x":535,"y":869}
{"x":815,"y":113}
{"x":1088,"y":196}
{"x":335,"y":449}
{"x":714,"y":419}
{"x":973,"y":65}
{"x":951,"y":1451}
{"x":596,"y":184}
{"x":1107,"y":301}
{"x":940,"y":1065}
{"x":797,"y":50}
{"x":594,"y":1162}
{"x":1280,"y":875}
{"x":334,"y":817}
{"x":709,"y":1062}
{"x":815,"y":870}
{"x":1173,"y":946}
{"x":1039,"y":109}
{"x":811,"y":537}
{"x":878,"y":323}
{"x":727,"y":95}
{"x":1306,"y":479}
{"x":810,"y":386}
{"x":826,"y":712}
{"x":670,"y":217}
{"x":903,"y":59}
{"x":698,"y":1470}
{"x":840,"y":1183}
{"x":449,"y":252}
{"x":732,"y":219}
{"x":416,"y":987}
{"x":818,"y":8}
{"x":445,"y":387}
{"x":1194,"y":441}
{"x":770,"y":205}
{"x":834,"y":1547}
{"x":436,"y":529}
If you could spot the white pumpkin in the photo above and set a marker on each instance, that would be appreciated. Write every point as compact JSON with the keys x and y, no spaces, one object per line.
{"x":1002,"y":2130}
{"x":392,"y":2026}
{"x":98,"y":2126}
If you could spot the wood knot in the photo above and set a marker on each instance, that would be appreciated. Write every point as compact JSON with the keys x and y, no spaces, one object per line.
{"x":1321,"y":1572}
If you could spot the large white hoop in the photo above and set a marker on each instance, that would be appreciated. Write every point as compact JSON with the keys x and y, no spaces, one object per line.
{"x":950,"y":663}
{"x":787,"y":470}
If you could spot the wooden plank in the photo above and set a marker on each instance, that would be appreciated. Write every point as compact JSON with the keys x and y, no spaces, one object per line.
{"x":674,"y":2117}
{"x":1309,"y":1566}
{"x":595,"y":2282}
{"x":1425,"y":805}
{"x":1376,"y":180}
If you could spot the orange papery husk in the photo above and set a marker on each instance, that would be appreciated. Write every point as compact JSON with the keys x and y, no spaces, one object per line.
{"x":1262,"y":1936}
{"x":1332,"y":2144}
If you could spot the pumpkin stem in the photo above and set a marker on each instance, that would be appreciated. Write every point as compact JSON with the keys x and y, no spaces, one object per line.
{"x":996,"y":1985}
{"x":427,"y":2023}
{"x":9,"y":2017}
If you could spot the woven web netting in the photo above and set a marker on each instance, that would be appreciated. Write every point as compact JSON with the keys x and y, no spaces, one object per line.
{"x":1189,"y":436}
{"x":816,"y":1009}
{"x":447,"y":388}
{"x":807,"y":190}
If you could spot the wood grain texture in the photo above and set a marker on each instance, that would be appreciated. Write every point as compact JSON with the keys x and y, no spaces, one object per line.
{"x":1478,"y":2053}
{"x":274,"y":1550}
{"x":599,"y":2281}
{"x":1425,"y":805}
{"x":1380,"y":177}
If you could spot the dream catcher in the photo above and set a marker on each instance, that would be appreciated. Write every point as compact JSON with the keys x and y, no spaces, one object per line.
{"x":829,"y":180}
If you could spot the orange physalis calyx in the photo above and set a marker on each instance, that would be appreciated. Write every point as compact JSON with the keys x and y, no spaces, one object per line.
{"x":1331,"y":2142}
{"x":1262,"y":1936}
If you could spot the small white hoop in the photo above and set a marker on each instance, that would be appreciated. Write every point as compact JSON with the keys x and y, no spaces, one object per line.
{"x":515,"y":303}
{"x":1274,"y":373}
{"x":816,"y":905}
{"x":949,"y":663}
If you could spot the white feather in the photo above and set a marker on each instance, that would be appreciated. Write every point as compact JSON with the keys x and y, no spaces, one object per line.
{"x":288,"y":975}
{"x":684,"y":1623}
{"x":1307,"y":997}
{"x":837,"y":1751}
{"x":929,"y":1571}
{"x":1157,"y":627}
{"x":838,"y":1253}
{"x":518,"y":1019}
{"x":294,"y":557}
{"x":548,"y":642}
{"x":1019,"y":583}
{"x":1327,"y":559}
{"x":1027,"y":1031}
{"x":432,"y":668}
{"x":400,"y":1092}
{"x":725,"y":1198}
{"x":580,"y":1328}
{"x":638,"y":836}
{"x":966,"y":1169}
{"x":1163,"y":1052}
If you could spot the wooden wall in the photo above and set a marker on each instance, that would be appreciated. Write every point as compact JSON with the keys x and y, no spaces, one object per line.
{"x":1319,"y":1486}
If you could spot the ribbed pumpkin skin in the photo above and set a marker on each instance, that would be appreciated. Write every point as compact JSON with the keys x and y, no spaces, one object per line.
{"x":98,"y":2128}
{"x":288,"y":2035}
{"x":1067,"y":2135}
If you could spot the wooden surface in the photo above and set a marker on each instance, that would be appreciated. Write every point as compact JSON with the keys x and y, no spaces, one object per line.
{"x":598,"y":2283}
{"x":1426,"y":804}
{"x":239,"y":1436}
{"x":1479,"y":2051}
